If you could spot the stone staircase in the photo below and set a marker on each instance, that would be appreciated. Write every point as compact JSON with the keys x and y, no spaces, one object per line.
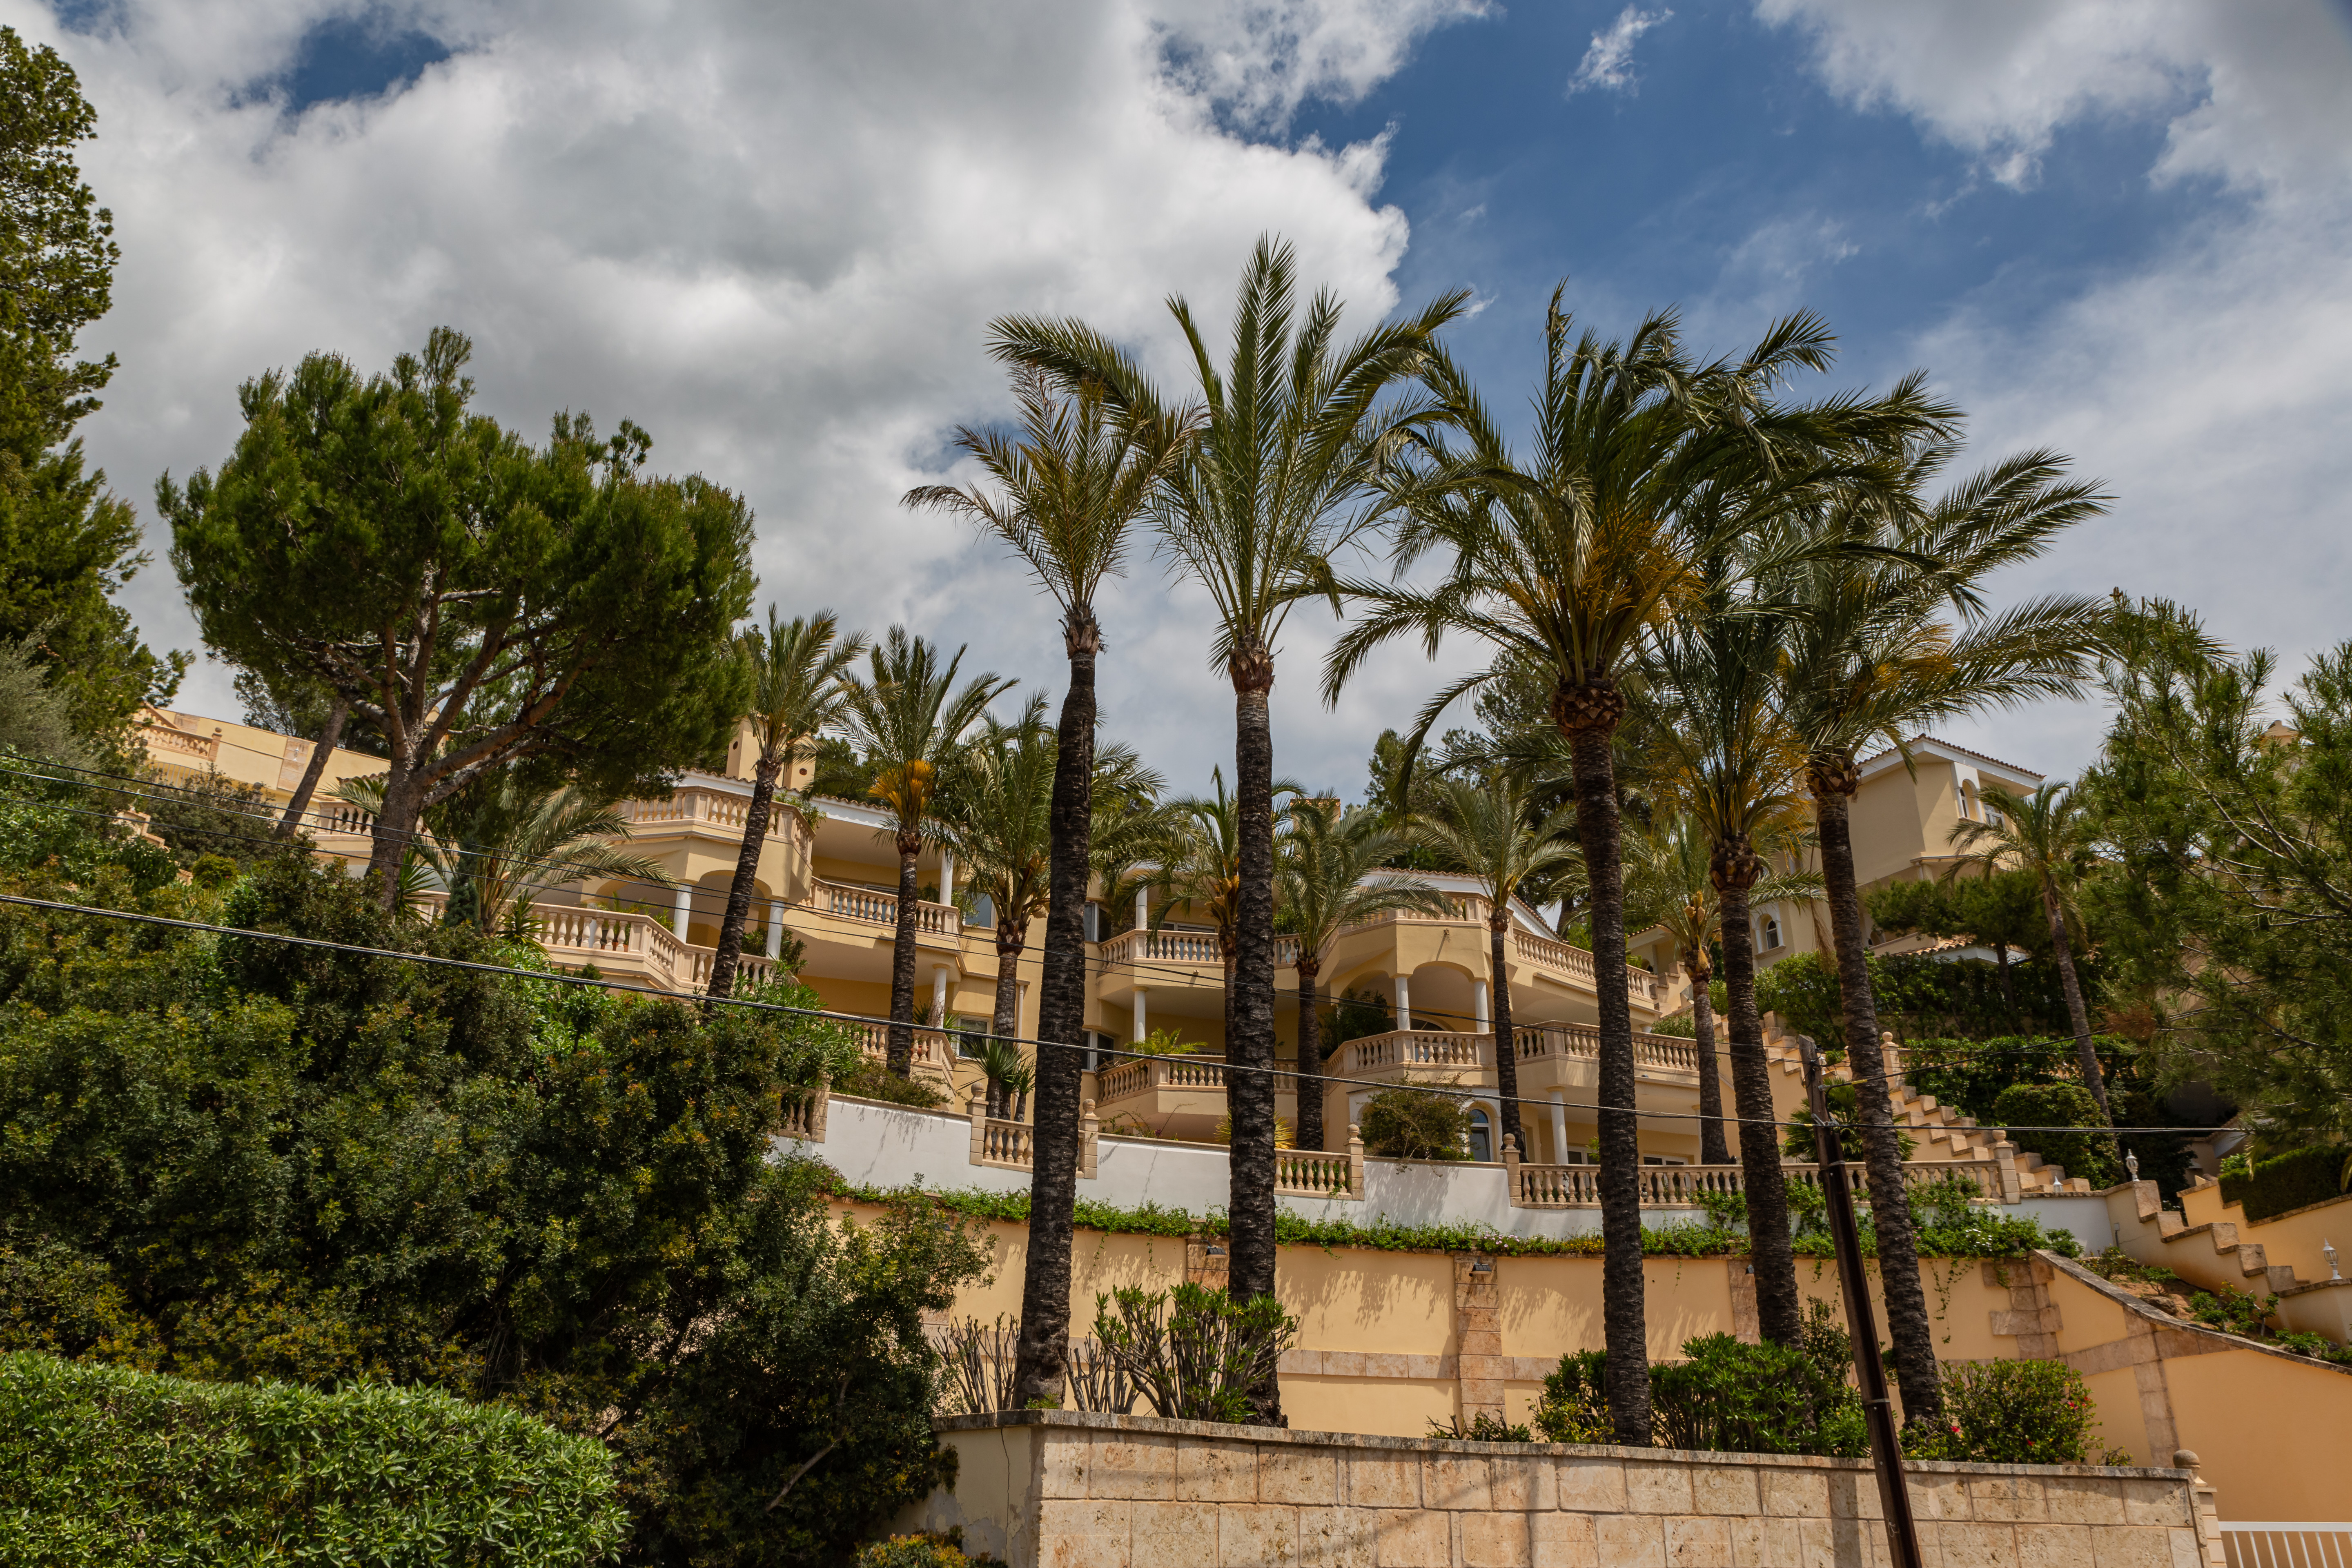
{"x":1940,"y":1132}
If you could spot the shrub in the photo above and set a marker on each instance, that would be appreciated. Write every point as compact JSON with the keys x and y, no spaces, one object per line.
{"x":2291,"y":1180}
{"x":872,"y":1081}
{"x":1355,"y":1016}
{"x":1482,"y":1429}
{"x":1575,"y":1404}
{"x":1195,"y":1353}
{"x":2013,"y":1413}
{"x":2232,"y":1313}
{"x":1413,"y":1124}
{"x":2089,"y":1153}
{"x":920,"y":1552}
{"x":92,"y":1457}
{"x":1763,"y":1398}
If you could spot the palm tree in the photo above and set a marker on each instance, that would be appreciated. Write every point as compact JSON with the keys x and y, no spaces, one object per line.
{"x":1486,"y":827}
{"x":498,"y":844}
{"x":1199,"y":865}
{"x":1564,"y":561}
{"x":1871,"y":655}
{"x":2048,"y":836}
{"x":911,"y":718}
{"x":1722,"y":753}
{"x":796,"y":670}
{"x":1667,"y":888}
{"x":1324,"y":881}
{"x":1070,"y":493}
{"x":1293,"y":433}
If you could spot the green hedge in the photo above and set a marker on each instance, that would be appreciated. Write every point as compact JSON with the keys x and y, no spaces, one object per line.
{"x":2290,"y":1181}
{"x":105,"y":1465}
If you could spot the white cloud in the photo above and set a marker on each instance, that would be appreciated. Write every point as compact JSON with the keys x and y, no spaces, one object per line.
{"x":2204,"y":383}
{"x":772,"y":233}
{"x":1608,"y":63}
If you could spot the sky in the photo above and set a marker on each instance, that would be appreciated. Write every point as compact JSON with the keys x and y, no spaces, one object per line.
{"x":774,"y":233}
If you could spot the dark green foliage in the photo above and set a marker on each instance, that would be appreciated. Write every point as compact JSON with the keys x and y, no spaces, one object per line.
{"x":1575,"y":1404}
{"x":920,"y":1552}
{"x":212,"y":815}
{"x":1196,"y":1354}
{"x":1413,"y":1124}
{"x":2291,"y":1180}
{"x":233,"y":1158}
{"x":872,"y":1081}
{"x":66,"y":545}
{"x":842,"y":774}
{"x":2091,"y":1155}
{"x":1920,"y":996}
{"x":1763,"y":1398}
{"x":1969,"y":1076}
{"x":1354,"y":1016}
{"x":1797,"y":1140}
{"x":2013,"y":1413}
{"x":1482,"y":1429}
{"x":105,"y":1464}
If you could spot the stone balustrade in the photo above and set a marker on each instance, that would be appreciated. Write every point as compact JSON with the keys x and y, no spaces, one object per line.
{"x":1199,"y":948}
{"x":1684,"y":1186}
{"x":931,"y":1053}
{"x":723,"y":810}
{"x":1145,"y":1074}
{"x":1012,"y":1145}
{"x":1657,"y":1053}
{"x":1308,"y":1174}
{"x":1405,"y":1049}
{"x":872,"y":905}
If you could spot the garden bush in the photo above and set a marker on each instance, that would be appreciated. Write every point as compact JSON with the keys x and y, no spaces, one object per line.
{"x":872,"y":1081}
{"x":2014,"y":1412}
{"x":1726,"y":1395}
{"x":2291,"y":1180}
{"x":1413,"y":1124}
{"x":920,"y":1552}
{"x":2089,"y":1153}
{"x":107,"y":1465}
{"x":1193,"y":1353}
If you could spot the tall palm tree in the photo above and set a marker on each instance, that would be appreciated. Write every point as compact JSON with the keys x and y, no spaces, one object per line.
{"x":1564,"y":559}
{"x":499,"y":843}
{"x":1200,"y":866}
{"x":1486,"y":827}
{"x":1068,"y":494}
{"x":1293,"y":432}
{"x":1724,"y":754}
{"x":1325,"y":880}
{"x":2048,"y":836}
{"x":1888,"y":634}
{"x":911,"y":718}
{"x":1667,"y":888}
{"x":795,"y":669}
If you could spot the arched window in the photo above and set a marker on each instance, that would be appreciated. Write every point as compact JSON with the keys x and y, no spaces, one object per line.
{"x":1482,"y":1136}
{"x":1768,"y":933}
{"x":1968,"y":800}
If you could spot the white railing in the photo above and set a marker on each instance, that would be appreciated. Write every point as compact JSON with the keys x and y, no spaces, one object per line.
{"x":1009,"y":1143}
{"x":722,"y":809}
{"x":1310,"y":1174}
{"x":1667,"y":1052}
{"x":1404,"y":1048}
{"x":340,"y":817}
{"x":1568,"y":958}
{"x":2289,"y":1544}
{"x":872,"y":905}
{"x":1140,"y":1076}
{"x":931,"y":1057}
{"x":1680,"y":1186}
{"x":1189,"y":947}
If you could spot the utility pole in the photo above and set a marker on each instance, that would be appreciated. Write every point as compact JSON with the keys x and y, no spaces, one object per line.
{"x":1869,"y":1372}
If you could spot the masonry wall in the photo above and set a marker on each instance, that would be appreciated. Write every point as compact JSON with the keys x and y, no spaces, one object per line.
{"x":1050,"y":1489}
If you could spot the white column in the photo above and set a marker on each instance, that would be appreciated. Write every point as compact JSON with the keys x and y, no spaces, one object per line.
{"x":947,"y":878}
{"x":1142,"y":921}
{"x":1478,"y":1007}
{"x":775,"y":929}
{"x":938,"y":995}
{"x":1559,"y":1131}
{"x":685,"y":905}
{"x":1141,"y":1029}
{"x":1404,"y":1002}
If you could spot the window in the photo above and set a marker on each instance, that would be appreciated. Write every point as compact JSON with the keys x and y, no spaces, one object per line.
{"x":1968,"y":800}
{"x":1663,"y":1160}
{"x":1097,"y":1044}
{"x":983,"y":912}
{"x":1095,"y":924}
{"x":1767,"y":933}
{"x":1482,"y":1136}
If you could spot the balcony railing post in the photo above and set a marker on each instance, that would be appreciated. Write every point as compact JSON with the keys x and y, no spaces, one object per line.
{"x":1090,"y":1125}
{"x":1355,"y":1160}
{"x":976,"y":1107}
{"x":2004,"y":1156}
{"x":1511,"y":1167}
{"x":821,"y":1096}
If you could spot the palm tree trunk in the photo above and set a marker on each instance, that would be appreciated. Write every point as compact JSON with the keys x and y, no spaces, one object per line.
{"x":1779,"y":1310}
{"x":1506,"y":1055}
{"x":329,"y":732}
{"x":1598,"y":707}
{"x":2008,"y":988}
{"x":747,"y":872}
{"x":1833,"y":782}
{"x":2076,"y":1014}
{"x":900,"y":1057}
{"x":1004,"y":1022}
{"x":1250,"y":1089}
{"x":1039,"y":1363}
{"x":1310,"y":1055}
{"x":1712,"y":1149}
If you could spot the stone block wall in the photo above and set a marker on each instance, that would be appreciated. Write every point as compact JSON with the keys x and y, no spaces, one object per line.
{"x":1064,"y":1489}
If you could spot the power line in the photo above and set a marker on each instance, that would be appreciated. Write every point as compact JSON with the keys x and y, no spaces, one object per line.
{"x":829,"y":1014}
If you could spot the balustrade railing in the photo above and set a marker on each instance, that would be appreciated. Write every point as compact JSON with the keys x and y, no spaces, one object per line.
{"x":1404,"y":1048}
{"x":1140,"y":1076}
{"x":1011,"y":1144}
{"x":930,"y":1047}
{"x":340,"y":817}
{"x":882,"y":909}
{"x":1682,"y":1186}
{"x":721,"y":809}
{"x":1537,"y":1041}
{"x":1308,"y":1174}
{"x":179,"y":743}
{"x":1187,"y":947}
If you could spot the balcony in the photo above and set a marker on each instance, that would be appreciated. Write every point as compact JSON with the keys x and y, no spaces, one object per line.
{"x":1683,"y":1186}
{"x":706,"y":810}
{"x":1420,"y":1054}
{"x":934,"y":1058}
{"x":936,"y":925}
{"x":634,"y":950}
{"x":1657,"y":1058}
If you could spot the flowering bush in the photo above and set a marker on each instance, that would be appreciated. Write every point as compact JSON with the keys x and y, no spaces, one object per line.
{"x":2013,"y":1413}
{"x":920,"y":1552}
